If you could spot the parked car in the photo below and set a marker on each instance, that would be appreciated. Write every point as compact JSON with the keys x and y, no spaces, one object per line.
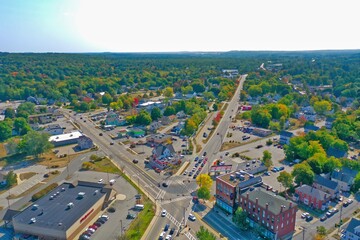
{"x":309,"y":218}
{"x":135,"y":161}
{"x":281,"y":168}
{"x":166,"y":227}
{"x":192,"y":217}
{"x":172,"y":231}
{"x":165,"y":184}
{"x":323,"y":218}
{"x":111,"y":143}
{"x":259,"y":146}
{"x":204,"y":154}
{"x":305,"y":214}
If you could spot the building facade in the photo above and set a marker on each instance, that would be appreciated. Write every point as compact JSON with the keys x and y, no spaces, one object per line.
{"x":312,"y":197}
{"x":352,"y":231}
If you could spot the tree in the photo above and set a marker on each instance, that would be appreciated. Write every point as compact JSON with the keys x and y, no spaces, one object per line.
{"x":143,"y":118}
{"x":204,"y":193}
{"x":322,"y":106}
{"x":155,"y":113}
{"x":286,"y":179}
{"x":10,"y":113}
{"x":11,"y":179}
{"x":106,"y":99}
{"x":169,"y":111}
{"x":215,"y":107}
{"x":168,"y":92}
{"x":356,"y":185}
{"x":35,"y":143}
{"x":240,"y":217}
{"x":25,"y":109}
{"x":266,"y":159}
{"x":11,"y":147}
{"x":303,"y":174}
{"x":331,"y":164}
{"x":5,"y":129}
{"x":204,"y":234}
{"x":21,"y":125}
{"x":321,"y":230}
{"x":204,"y":180}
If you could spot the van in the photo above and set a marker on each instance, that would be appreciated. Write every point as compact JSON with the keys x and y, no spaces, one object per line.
{"x":139,"y":207}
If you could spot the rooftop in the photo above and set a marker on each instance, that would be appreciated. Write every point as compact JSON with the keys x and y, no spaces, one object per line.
{"x":354,"y":226}
{"x":265,"y":197}
{"x":325,"y":182}
{"x":55,"y":214}
{"x":66,"y":136}
{"x":234,"y":180}
{"x":53,"y":126}
{"x":311,"y":191}
{"x":286,"y":134}
{"x":345,"y":175}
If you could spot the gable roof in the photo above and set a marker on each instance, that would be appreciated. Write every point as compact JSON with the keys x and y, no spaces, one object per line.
{"x":313,"y":192}
{"x":286,"y":133}
{"x":161,"y":148}
{"x":326,"y":182}
{"x":344,"y":175}
{"x":274,"y":201}
{"x":311,"y":128}
{"x":336,"y":152}
{"x":354,"y":226}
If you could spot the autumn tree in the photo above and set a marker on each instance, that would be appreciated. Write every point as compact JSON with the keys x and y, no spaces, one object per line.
{"x":204,"y":180}
{"x":168,"y":92}
{"x":322,"y":106}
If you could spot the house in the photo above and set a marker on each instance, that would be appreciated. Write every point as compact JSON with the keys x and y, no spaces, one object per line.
{"x":308,"y":128}
{"x":352,"y":231}
{"x":344,"y":177}
{"x":113,"y":119}
{"x":181,"y":115}
{"x":329,"y":122}
{"x":312,"y":197}
{"x":163,"y":156}
{"x":136,"y":132}
{"x":230,"y":185}
{"x":285,"y":137}
{"x":166,"y":120}
{"x":326,"y":185}
{"x":54,"y":129}
{"x":154,"y":126}
{"x":261,"y":132}
{"x":65,"y":139}
{"x":334,"y":152}
{"x":122,"y":133}
{"x":163,"y":151}
{"x":273,"y":214}
{"x":85,"y":142}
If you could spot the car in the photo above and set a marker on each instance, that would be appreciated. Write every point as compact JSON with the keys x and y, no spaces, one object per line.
{"x":194,"y":176}
{"x":135,"y":161}
{"x":90,"y":230}
{"x":84,"y":120}
{"x":248,"y":164}
{"x":183,"y":145}
{"x":227,"y":153}
{"x":172,"y":230}
{"x":163,"y":213}
{"x":350,"y":201}
{"x":204,"y":154}
{"x":84,"y":237}
{"x":274,"y":169}
{"x":309,"y":218}
{"x":291,"y":164}
{"x":345,"y":204}
{"x":323,"y":218}
{"x":197,"y":164}
{"x":101,"y":220}
{"x":190,"y":174}
{"x":101,"y":180}
{"x":98,"y":224}
{"x":202,"y":164}
{"x":185,"y":173}
{"x":162,"y":235}
{"x":100,"y":134}
{"x":335,"y":210}
{"x":94,"y":227}
{"x":267,"y":173}
{"x":329,"y":213}
{"x":281,"y":168}
{"x":111,"y":143}
{"x":158,"y":170}
{"x":166,"y":227}
{"x":168,"y":237}
{"x":46,"y":175}
{"x":251,"y":189}
{"x":197,"y":158}
{"x":205,"y":135}
{"x":112,"y":181}
{"x":130,"y":216}
{"x":192,"y":217}
{"x":259,"y":146}
{"x":305,"y":214}
{"x":165,"y":184}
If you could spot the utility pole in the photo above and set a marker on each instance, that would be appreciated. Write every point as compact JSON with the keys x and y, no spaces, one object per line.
{"x":304,"y":229}
{"x":121,"y":228}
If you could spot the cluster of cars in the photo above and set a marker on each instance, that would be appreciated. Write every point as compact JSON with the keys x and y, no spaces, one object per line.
{"x":307,"y":216}
{"x":347,"y":202}
{"x":200,"y":163}
{"x":163,"y":234}
{"x":92,"y":228}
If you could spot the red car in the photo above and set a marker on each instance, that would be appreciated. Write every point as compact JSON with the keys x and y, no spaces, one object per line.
{"x":94,"y":227}
{"x":158,"y":170}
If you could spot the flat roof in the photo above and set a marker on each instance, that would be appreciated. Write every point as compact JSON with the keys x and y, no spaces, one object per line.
{"x":66,"y":136}
{"x":236,"y":181}
{"x":53,"y":214}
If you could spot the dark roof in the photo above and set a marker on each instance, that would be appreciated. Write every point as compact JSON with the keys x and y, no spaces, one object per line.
{"x":250,"y":182}
{"x":286,"y":133}
{"x":345,"y":175}
{"x":311,"y":191}
{"x":236,"y":182}
{"x":311,"y":128}
{"x":336,"y":153}
{"x":53,"y":214}
{"x":9,"y":214}
{"x":265,"y":197}
{"x":354,"y":226}
{"x":161,"y":148}
{"x":257,"y":170}
{"x":325,"y":182}
{"x":329,"y":119}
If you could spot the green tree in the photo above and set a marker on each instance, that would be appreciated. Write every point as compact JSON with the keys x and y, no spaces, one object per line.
{"x":11,"y":179}
{"x":321,"y":230}
{"x":204,"y":234}
{"x":204,"y":180}
{"x":261,"y":117}
{"x":240,"y":217}
{"x":5,"y":129}
{"x":155,"y":113}
{"x":12,"y":147}
{"x":255,"y":91}
{"x":106,"y":99}
{"x":10,"y":113}
{"x":286,"y":179}
{"x":322,"y":106}
{"x":356,"y":185}
{"x":143,"y":118}
{"x":331,"y":164}
{"x":215,"y":107}
{"x":169,"y":111}
{"x":303,"y":174}
{"x":168,"y":92}
{"x":21,"y":125}
{"x":35,"y":143}
{"x":266,"y":159}
{"x":25,"y":109}
{"x":204,"y":193}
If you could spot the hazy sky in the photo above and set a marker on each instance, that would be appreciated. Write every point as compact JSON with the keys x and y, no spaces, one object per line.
{"x":177,"y":25}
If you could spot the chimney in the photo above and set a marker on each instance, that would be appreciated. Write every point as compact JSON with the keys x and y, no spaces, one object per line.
{"x":247,"y":196}
{"x":267,"y":206}
{"x":290,"y":205}
{"x":281,"y":208}
{"x":257,"y":200}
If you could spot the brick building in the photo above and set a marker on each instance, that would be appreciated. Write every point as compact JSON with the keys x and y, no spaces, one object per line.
{"x":273,"y":215}
{"x":312,"y":197}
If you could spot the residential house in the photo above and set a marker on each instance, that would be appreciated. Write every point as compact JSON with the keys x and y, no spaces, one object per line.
{"x":285,"y":137}
{"x":308,"y":128}
{"x":334,"y":152}
{"x":344,"y":177}
{"x":273,"y":213}
{"x":329,"y":122}
{"x":352,"y":231}
{"x":230,"y":185}
{"x":177,"y":129}
{"x":154,"y":126}
{"x":122,"y":133}
{"x":85,"y":142}
{"x":312,"y":197}
{"x":181,"y":115}
{"x":166,"y":120}
{"x":326,"y":185}
{"x":54,"y":129}
{"x":113,"y":119}
{"x":163,"y":155}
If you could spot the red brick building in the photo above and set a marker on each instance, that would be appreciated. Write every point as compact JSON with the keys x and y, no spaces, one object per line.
{"x":312,"y":197}
{"x":275,"y":215}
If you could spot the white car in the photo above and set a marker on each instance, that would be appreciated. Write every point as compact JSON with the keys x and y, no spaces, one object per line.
{"x":304,"y":215}
{"x":163,"y":213}
{"x":185,"y":173}
{"x":101,"y":180}
{"x":105,"y":217}
{"x":192,"y":217}
{"x":90,"y":230}
{"x":168,"y":237}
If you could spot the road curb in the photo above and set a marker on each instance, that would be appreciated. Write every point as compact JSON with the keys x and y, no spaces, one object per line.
{"x":152,"y":223}
{"x":212,"y":230}
{"x":183,"y":167}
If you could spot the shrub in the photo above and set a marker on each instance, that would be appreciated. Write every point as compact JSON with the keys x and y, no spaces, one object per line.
{"x":43,"y":192}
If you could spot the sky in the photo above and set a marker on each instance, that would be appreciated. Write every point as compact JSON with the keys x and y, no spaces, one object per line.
{"x":177,"y":25}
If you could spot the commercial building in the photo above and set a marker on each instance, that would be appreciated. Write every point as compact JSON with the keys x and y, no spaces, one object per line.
{"x":64,"y":212}
{"x":54,"y":129}
{"x":65,"y":139}
{"x":274,"y":215}
{"x":230,"y":185}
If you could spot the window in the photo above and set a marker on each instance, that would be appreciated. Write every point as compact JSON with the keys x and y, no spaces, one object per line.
{"x":287,"y":223}
{"x":258,"y":210}
{"x":263,"y":213}
{"x":282,"y":225}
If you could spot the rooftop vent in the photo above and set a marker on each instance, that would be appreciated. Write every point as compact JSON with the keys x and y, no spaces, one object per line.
{"x":62,"y":189}
{"x":71,"y":135}
{"x":96,"y":192}
{"x":81,"y":194}
{"x":33,"y":220}
{"x":35,"y":207}
{"x":70,"y":205}
{"x":232,"y":177}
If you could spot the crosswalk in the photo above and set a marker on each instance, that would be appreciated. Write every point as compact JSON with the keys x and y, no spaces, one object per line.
{"x":178,"y":224}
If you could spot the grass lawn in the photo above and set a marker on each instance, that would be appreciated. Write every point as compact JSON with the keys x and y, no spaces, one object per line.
{"x":2,"y":150}
{"x":24,"y":176}
{"x":105,"y":165}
